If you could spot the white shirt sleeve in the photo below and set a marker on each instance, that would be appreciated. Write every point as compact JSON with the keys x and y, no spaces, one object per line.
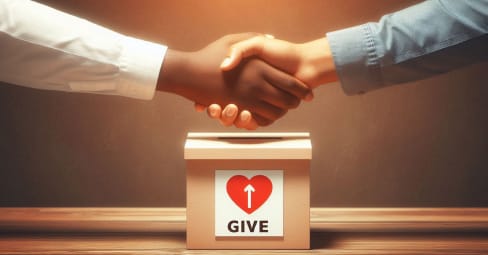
{"x":43,"y":48}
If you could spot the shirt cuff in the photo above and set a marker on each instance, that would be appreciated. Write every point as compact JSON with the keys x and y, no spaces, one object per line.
{"x":356,"y":59}
{"x":140,"y":64}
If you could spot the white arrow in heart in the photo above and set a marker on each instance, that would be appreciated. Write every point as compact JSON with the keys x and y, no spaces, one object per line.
{"x":249,"y":189}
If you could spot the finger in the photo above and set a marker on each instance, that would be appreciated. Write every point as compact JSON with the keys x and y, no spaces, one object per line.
{"x":262,"y":121}
{"x":214,"y":111}
{"x":245,"y":120}
{"x":309,"y":97}
{"x":278,"y":98}
{"x":281,"y":99}
{"x":200,"y":107}
{"x":229,"y":115}
{"x":243,"y":49}
{"x":288,"y":83}
{"x":267,"y":111}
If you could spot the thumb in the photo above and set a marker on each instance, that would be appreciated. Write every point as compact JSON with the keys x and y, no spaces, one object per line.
{"x":238,"y":51}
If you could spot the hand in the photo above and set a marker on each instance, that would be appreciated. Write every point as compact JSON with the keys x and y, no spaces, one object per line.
{"x":310,"y":62}
{"x":254,"y":85}
{"x":228,"y":116}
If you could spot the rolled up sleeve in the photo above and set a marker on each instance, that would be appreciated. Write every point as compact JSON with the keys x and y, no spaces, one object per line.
{"x":427,"y":39}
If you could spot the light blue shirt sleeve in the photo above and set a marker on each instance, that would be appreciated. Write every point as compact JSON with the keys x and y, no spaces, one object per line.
{"x":426,"y":39}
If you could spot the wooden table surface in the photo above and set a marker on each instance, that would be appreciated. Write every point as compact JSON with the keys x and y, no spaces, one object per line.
{"x":161,"y":231}
{"x":322,"y":243}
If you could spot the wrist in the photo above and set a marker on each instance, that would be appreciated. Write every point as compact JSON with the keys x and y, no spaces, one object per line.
{"x":330,"y":73}
{"x":317,"y":57}
{"x":174,"y":70}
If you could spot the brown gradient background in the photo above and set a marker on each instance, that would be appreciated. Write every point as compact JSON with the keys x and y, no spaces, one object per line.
{"x":420,"y":144}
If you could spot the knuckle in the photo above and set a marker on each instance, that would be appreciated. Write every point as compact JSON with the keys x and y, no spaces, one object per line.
{"x":293,"y":103}
{"x":267,"y":123}
{"x":291,"y":83}
{"x":264,"y":122}
{"x":281,"y":113}
{"x":297,"y":88}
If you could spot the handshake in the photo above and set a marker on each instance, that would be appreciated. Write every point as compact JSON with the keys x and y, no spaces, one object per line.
{"x":256,"y":77}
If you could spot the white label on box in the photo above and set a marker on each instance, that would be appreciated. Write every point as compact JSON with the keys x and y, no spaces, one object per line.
{"x":248,"y":203}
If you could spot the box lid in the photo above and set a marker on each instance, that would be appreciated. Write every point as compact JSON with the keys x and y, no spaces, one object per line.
{"x":250,"y":145}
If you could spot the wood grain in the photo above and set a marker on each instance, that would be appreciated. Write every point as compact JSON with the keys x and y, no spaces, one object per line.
{"x":400,"y":219}
{"x":322,"y":243}
{"x":174,"y":219}
{"x":93,"y":219}
{"x":161,"y":231}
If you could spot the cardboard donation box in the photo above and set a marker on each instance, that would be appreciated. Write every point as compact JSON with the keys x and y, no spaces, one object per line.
{"x":248,"y":190}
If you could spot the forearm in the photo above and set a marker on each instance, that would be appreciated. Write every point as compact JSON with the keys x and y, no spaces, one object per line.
{"x":174,"y":69}
{"x":183,"y":74}
{"x":418,"y":42}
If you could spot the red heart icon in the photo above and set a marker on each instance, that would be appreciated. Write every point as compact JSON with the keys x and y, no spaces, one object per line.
{"x":249,"y":194}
